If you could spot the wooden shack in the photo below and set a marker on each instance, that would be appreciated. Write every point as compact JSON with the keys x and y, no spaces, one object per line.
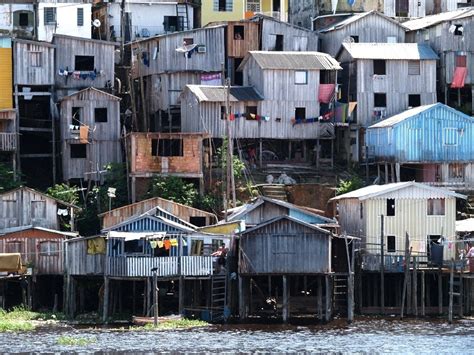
{"x":189,"y":214}
{"x":34,"y":99}
{"x":380,"y":80}
{"x":365,"y":27}
{"x":42,"y":253}
{"x":164,"y":154}
{"x":90,"y":133}
{"x":450,"y":35}
{"x":283,"y":254}
{"x":430,"y":144}
{"x":27,"y":207}
{"x":82,"y":63}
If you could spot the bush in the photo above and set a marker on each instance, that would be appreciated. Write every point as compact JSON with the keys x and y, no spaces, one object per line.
{"x":346,"y":186}
{"x":175,"y":189}
{"x":7,"y":181}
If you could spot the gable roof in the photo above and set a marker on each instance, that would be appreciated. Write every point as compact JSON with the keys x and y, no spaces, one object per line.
{"x":106,"y":94}
{"x":29,"y":189}
{"x":390,"y":51}
{"x":292,"y":219}
{"x":83,"y":39}
{"x":433,"y":20}
{"x":241,"y":211}
{"x":270,"y":18}
{"x":394,"y":120}
{"x":178,"y":33}
{"x":354,"y":18}
{"x":24,"y":228}
{"x":292,"y":60}
{"x":378,"y":190}
{"x":218,"y":93}
{"x":154,"y":218}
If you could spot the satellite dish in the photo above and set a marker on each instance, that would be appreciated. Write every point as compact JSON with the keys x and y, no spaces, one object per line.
{"x":348,"y":39}
{"x":96,"y":23}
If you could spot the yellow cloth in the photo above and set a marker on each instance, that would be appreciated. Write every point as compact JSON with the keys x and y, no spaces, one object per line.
{"x":160,"y":244}
{"x":10,"y":262}
{"x":174,"y":242}
{"x":153,"y":244}
{"x":96,"y":246}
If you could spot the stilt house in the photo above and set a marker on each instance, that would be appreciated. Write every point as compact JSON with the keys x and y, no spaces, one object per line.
{"x":430,"y":144}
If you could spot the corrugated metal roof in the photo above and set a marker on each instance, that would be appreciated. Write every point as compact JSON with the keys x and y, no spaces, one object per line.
{"x":354,"y":18}
{"x":377,"y":190}
{"x":432,"y":20}
{"x":24,"y":228}
{"x":395,"y":51}
{"x":391,"y":121}
{"x":293,"y":60}
{"x":273,"y":220}
{"x":218,"y":93}
{"x":465,"y":225}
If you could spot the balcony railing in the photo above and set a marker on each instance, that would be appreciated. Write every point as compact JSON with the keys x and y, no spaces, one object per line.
{"x":277,"y":15}
{"x":7,"y":142}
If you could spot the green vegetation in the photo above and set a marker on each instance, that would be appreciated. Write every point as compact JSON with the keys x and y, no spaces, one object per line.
{"x":174,"y":189}
{"x":75,"y":341}
{"x":349,"y":185}
{"x":19,"y":319}
{"x":174,"y":324}
{"x":7,"y":181}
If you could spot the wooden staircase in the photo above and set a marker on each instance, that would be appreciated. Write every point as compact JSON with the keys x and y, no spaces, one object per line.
{"x":218,"y":298}
{"x":276,"y":192}
{"x":340,"y":294}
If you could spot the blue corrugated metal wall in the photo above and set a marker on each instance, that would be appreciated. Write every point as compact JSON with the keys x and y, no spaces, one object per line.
{"x":440,"y":134}
{"x":306,"y":217}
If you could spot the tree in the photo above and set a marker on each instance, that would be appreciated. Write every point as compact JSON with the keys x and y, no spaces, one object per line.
{"x":116,"y":177}
{"x":349,"y":185}
{"x":175,"y":189}
{"x":66,"y":193}
{"x":7,"y":181}
{"x":238,"y":165}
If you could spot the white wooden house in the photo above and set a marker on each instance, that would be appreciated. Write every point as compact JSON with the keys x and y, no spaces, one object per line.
{"x":427,"y":214}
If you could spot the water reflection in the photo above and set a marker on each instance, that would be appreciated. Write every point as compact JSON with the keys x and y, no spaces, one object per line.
{"x":365,"y":335}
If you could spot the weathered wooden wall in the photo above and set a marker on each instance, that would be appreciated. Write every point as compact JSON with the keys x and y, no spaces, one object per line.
{"x":371,"y":28}
{"x":30,"y":243}
{"x":416,"y":8}
{"x":23,"y":207}
{"x":143,"y":163}
{"x":284,"y":247}
{"x":238,"y":48}
{"x":80,"y":262}
{"x":68,"y":47}
{"x":104,"y":137}
{"x":34,"y":63}
{"x":294,"y":38}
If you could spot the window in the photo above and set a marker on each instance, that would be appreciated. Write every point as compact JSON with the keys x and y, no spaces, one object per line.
{"x":197,"y":221}
{"x":458,"y":30}
{"x":390,"y":207}
{"x":355,"y":39}
{"x":461,"y":61}
{"x":38,"y":209}
{"x":253,"y":5}
{"x":414,"y":100}
{"x":380,"y":100}
{"x":49,"y":15}
{"x":188,"y":41}
{"x":413,"y":67}
{"x":379,"y":67}
{"x":401,"y":8}
{"x":436,"y":207}
{"x":300,"y":113}
{"x":361,"y":210}
{"x":391,"y":248}
{"x":76,"y":116}
{"x":239,"y":32}
{"x":49,"y":248}
{"x":35,"y":59}
{"x":223,"y":5}
{"x":222,"y":112}
{"x":279,"y":43}
{"x":80,"y":16}
{"x":100,"y":114}
{"x":250,"y":110}
{"x":84,"y":63}
{"x":450,"y":136}
{"x":173,"y":23}
{"x":14,"y":246}
{"x":167,"y":147}
{"x":456,"y":171}
{"x":78,"y":151}
{"x":23,"y":19}
{"x":301,"y":77}
{"x":134,"y":246}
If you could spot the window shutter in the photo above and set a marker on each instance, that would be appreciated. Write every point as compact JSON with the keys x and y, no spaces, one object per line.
{"x":49,"y":15}
{"x":216,"y":5}
{"x":229,"y":5}
{"x":413,"y":67}
{"x":80,"y":16}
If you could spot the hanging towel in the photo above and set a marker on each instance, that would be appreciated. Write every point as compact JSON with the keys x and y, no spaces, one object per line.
{"x":76,"y":75}
{"x":326,"y":91}
{"x":167,"y":244}
{"x":231,"y":117}
{"x":174,"y":242}
{"x":459,"y":77}
{"x":84,"y":134}
{"x":160,"y":244}
{"x":153,"y":244}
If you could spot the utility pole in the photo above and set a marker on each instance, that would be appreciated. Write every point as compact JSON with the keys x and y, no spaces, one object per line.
{"x":122,"y":32}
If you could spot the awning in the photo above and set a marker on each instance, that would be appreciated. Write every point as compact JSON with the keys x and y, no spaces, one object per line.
{"x":10,"y":262}
{"x":459,"y":77}
{"x":135,"y":235}
{"x":326,"y":92}
{"x":465,"y":225}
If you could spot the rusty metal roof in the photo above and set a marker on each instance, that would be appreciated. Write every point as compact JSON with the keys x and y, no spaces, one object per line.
{"x":292,"y":60}
{"x":395,"y":51}
{"x":218,"y":93}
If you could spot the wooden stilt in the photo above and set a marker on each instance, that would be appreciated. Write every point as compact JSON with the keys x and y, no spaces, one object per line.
{"x":386,"y":174}
{"x":285,"y":310}
{"x":181,"y":295}
{"x":423,"y":294}
{"x":145,"y":298}
{"x":407,"y":273}
{"x":319,"y":299}
{"x":105,"y":313}
{"x":149,"y":295}
{"x":415,"y":286}
{"x":451,"y":293}
{"x":328,"y":305}
{"x":440,"y":292}
{"x":461,"y":296}
{"x":241,"y":299}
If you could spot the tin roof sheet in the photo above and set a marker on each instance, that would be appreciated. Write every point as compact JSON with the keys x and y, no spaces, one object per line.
{"x":218,"y":93}
{"x":432,"y":20}
{"x":387,"y":51}
{"x":293,"y":60}
{"x":354,"y":18}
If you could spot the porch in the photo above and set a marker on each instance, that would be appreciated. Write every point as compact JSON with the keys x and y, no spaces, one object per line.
{"x":8,"y":142}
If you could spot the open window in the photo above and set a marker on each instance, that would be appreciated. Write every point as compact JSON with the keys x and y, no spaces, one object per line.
{"x":380,"y":100}
{"x":279,"y":43}
{"x":414,"y":100}
{"x":379,"y":67}
{"x":436,"y":207}
{"x":84,"y":63}
{"x":355,"y":38}
{"x":249,"y":111}
{"x":78,"y":151}
{"x":167,"y":147}
{"x":391,"y":245}
{"x":300,"y":113}
{"x":458,"y":29}
{"x":197,"y":221}
{"x":239,"y":32}
{"x":100,"y":114}
{"x":390,"y":207}
{"x":76,"y":116}
{"x":136,"y":246}
{"x":49,"y":248}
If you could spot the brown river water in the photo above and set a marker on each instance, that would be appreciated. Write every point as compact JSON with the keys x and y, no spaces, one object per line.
{"x":365,"y":335}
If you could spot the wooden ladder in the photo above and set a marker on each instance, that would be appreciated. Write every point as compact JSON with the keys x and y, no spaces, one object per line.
{"x":182,"y":12}
{"x":455,"y":290}
{"x":218,"y":297}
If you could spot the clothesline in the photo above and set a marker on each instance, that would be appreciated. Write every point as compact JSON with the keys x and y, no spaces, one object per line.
{"x":77,"y":74}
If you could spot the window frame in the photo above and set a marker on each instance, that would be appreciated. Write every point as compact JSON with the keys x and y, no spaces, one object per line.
{"x":413,"y":97}
{"x":50,"y":251}
{"x":391,"y":243}
{"x":432,"y":209}
{"x":411,"y":65}
{"x":377,"y":94}
{"x":299,"y":82}
{"x":82,"y":66}
{"x":74,"y":147}
{"x":80,"y":17}
{"x":377,"y":67}
{"x":446,"y":136}
{"x":167,"y":147}
{"x":101,"y":109}
{"x":391,"y":207}
{"x":240,"y":33}
{"x":47,"y":16}
{"x":35,"y":59}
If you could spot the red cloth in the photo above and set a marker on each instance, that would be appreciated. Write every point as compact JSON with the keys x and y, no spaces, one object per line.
{"x":326,"y":92}
{"x":459,"y":76}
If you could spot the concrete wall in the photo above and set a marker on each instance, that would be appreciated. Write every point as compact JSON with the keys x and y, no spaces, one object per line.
{"x":66,"y":21}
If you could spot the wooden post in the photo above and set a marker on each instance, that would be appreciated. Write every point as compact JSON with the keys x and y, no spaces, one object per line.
{"x":328,"y":298}
{"x":105,"y":313}
{"x":423,"y":294}
{"x":378,"y":172}
{"x":155,"y":298}
{"x":440,"y":291}
{"x":285,"y":309}
{"x":319,"y":299}
{"x":318,"y":151}
{"x":260,"y":153}
{"x":181,"y":295}
{"x":350,"y":284}
{"x":407,"y":272}
{"x":149,"y":295}
{"x":241,"y":299}
{"x":415,"y":287}
{"x":386,"y":174}
{"x":461,"y":301}
{"x":451,"y":284}
{"x":382,"y":266}
{"x":397,"y":170}
{"x":392,"y":172}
